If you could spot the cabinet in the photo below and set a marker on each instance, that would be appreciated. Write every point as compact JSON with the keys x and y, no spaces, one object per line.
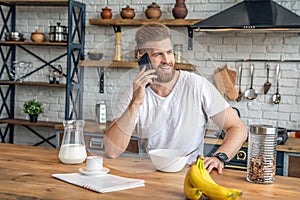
{"x":74,"y":52}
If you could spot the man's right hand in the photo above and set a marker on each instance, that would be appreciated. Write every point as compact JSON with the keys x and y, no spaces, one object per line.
{"x":139,"y":84}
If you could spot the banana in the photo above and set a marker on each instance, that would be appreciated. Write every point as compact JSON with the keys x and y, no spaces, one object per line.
{"x":200,"y":178}
{"x":189,"y":191}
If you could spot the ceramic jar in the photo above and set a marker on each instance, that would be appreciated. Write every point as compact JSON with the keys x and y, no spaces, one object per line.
{"x":153,"y":11}
{"x":37,"y":36}
{"x":180,"y":11}
{"x":106,"y":13}
{"x":127,"y":13}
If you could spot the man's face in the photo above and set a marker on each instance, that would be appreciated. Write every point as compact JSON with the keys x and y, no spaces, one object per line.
{"x":162,"y":59}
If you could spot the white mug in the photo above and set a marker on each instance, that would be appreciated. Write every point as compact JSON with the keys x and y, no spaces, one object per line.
{"x":94,"y":163}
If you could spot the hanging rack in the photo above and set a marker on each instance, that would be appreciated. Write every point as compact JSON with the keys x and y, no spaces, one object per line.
{"x":248,"y":60}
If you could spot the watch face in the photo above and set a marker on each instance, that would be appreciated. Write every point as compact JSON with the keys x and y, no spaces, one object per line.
{"x":223,"y":157}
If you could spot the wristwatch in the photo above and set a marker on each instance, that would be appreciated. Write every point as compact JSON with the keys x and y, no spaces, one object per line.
{"x":222,"y":157}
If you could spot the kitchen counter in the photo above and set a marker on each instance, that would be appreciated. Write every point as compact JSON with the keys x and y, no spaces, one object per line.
{"x":292,"y":145}
{"x":26,"y":171}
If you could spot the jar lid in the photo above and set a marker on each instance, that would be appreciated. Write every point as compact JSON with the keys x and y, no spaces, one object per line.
{"x":127,"y":8}
{"x":153,"y":5}
{"x":106,"y":8}
{"x":262,"y":129}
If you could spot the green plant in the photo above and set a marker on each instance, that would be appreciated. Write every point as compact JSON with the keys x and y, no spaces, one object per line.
{"x":33,"y":107}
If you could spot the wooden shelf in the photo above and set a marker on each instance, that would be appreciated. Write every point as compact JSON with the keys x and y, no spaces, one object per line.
{"x":33,"y":43}
{"x":113,"y":64}
{"x":139,"y":22}
{"x":28,"y":123}
{"x":36,"y":2}
{"x":44,"y":84}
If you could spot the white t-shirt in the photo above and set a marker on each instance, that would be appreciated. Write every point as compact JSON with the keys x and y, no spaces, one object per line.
{"x":178,"y":120}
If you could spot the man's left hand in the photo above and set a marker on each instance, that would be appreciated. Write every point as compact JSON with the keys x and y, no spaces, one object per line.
{"x":212,"y":162}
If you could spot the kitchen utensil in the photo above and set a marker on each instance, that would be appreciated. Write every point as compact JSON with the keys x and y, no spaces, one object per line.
{"x":168,"y":160}
{"x":192,"y":151}
{"x":58,"y":33}
{"x":95,"y":55}
{"x":14,"y":36}
{"x":58,"y":28}
{"x":267,"y":84}
{"x":276,"y":97}
{"x":251,"y":94}
{"x":240,"y":84}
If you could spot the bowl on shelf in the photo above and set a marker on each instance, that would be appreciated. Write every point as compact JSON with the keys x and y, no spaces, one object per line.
{"x":95,"y":55}
{"x":14,"y":36}
{"x":168,"y":160}
{"x":37,"y":36}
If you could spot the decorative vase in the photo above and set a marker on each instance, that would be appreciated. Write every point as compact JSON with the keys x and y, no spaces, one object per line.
{"x":127,"y":13}
{"x":106,"y":13}
{"x":180,"y":11}
{"x":33,"y":118}
{"x":153,"y":11}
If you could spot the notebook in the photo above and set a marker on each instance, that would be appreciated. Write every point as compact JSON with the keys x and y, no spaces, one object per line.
{"x":101,"y":183}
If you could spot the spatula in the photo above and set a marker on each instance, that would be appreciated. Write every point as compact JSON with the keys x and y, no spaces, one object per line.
{"x":267,"y":84}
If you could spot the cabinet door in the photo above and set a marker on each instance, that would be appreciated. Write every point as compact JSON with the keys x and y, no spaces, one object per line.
{"x":291,"y":164}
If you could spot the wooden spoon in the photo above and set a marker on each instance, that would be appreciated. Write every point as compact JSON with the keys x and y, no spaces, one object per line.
{"x":267,"y":84}
{"x":240,"y":83}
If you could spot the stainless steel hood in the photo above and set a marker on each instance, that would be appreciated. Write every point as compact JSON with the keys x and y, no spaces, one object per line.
{"x":252,"y":15}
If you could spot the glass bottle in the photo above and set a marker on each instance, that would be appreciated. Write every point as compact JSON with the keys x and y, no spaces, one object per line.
{"x":178,"y":51}
{"x":261,"y":163}
{"x":72,"y":150}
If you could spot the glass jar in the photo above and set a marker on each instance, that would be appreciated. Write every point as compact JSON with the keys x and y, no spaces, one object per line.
{"x":178,"y":51}
{"x":261,"y":163}
{"x":72,"y":150}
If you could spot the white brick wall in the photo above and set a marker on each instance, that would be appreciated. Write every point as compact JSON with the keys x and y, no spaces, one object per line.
{"x":229,"y":45}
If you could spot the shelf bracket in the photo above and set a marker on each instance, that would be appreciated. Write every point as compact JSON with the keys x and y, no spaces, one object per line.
{"x":190,"y":40}
{"x":117,"y":28}
{"x":101,"y":79}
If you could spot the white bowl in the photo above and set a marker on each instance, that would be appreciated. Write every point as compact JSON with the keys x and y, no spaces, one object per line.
{"x":168,"y":160}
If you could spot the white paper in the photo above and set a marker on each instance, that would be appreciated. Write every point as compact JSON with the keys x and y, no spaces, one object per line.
{"x":101,"y":183}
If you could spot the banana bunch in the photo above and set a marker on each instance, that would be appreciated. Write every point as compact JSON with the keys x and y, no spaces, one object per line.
{"x":198,"y":181}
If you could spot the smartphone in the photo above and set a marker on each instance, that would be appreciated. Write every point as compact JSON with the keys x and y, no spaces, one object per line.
{"x":145,"y":60}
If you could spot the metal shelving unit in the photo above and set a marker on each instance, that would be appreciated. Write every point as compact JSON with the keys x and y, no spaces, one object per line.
{"x":74,"y":53}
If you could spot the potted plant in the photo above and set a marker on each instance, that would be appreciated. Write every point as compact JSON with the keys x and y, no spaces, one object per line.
{"x":33,"y":108}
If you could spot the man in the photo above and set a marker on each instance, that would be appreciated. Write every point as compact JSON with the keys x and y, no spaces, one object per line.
{"x":173,"y":111}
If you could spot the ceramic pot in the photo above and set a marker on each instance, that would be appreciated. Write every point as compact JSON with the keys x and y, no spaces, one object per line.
{"x":33,"y":118}
{"x":153,"y":11}
{"x":180,"y":11}
{"x":127,"y":13}
{"x":106,"y":13}
{"x":37,"y":36}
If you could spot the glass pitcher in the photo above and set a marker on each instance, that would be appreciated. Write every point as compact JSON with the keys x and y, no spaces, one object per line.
{"x":72,"y":150}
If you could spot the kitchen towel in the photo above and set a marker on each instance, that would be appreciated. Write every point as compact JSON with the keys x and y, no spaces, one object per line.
{"x":101,"y":183}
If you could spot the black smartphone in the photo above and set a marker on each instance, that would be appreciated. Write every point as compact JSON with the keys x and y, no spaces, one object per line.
{"x":145,"y":60}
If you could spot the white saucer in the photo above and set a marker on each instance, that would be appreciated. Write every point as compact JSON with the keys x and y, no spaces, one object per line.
{"x":84,"y":171}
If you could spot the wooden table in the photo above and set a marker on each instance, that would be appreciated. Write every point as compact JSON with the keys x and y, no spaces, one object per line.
{"x":25,"y":173}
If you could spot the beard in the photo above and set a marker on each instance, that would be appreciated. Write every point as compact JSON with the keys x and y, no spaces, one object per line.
{"x":164,"y":77}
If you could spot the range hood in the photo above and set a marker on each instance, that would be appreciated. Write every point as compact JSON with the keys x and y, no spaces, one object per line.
{"x":252,"y":15}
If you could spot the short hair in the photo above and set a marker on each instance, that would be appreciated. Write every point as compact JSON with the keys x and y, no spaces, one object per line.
{"x":151,"y":32}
